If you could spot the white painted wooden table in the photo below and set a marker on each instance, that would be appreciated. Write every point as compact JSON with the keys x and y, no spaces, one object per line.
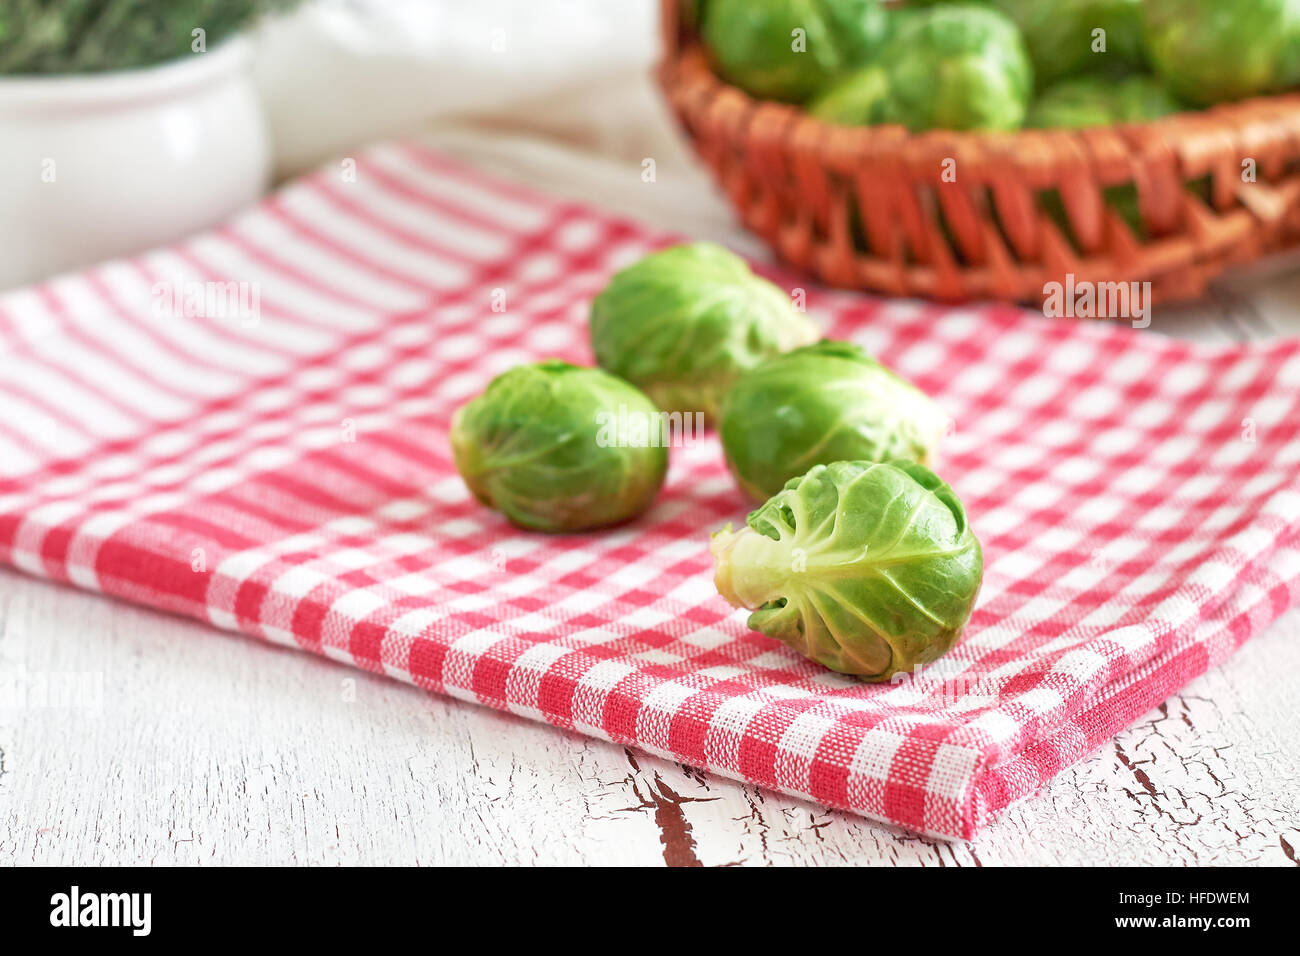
{"x":178,"y":744}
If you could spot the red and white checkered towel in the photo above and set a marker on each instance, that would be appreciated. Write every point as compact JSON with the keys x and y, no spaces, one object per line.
{"x":277,"y":463}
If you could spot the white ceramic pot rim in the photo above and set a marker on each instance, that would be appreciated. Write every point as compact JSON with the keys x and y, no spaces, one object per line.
{"x":93,"y":91}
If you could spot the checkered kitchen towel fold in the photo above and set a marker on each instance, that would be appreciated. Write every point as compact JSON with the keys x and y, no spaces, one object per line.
{"x":272,"y":457}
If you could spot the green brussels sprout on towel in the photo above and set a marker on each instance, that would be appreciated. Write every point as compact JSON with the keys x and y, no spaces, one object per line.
{"x":825,"y":402}
{"x":869,"y":569}
{"x":683,"y":323}
{"x":545,"y":446}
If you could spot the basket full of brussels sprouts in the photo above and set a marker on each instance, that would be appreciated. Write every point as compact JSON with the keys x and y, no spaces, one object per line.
{"x":990,"y":148}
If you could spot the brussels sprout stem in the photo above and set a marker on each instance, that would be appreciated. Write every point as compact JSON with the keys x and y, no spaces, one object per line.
{"x":750,"y":569}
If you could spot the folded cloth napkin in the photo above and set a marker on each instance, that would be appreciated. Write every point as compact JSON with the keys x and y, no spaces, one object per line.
{"x":251,"y":428}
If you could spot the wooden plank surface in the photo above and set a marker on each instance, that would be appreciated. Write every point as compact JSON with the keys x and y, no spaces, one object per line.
{"x":185,"y":745}
{"x":128,"y":736}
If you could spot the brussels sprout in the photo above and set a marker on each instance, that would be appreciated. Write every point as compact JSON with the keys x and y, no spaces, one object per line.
{"x":961,"y":66}
{"x":1208,"y":50}
{"x":1061,"y":40}
{"x":788,"y":49}
{"x":866,"y":568}
{"x":822,"y":403}
{"x":683,"y":323}
{"x":545,"y":447}
{"x":856,"y":99}
{"x":1088,"y":101}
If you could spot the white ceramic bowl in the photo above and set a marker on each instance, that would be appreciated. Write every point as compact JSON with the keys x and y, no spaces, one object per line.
{"x":100,"y":165}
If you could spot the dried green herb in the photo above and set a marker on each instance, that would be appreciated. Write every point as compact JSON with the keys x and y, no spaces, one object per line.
{"x":93,"y":36}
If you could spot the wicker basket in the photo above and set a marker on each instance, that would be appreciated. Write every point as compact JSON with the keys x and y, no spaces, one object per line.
{"x":869,"y":208}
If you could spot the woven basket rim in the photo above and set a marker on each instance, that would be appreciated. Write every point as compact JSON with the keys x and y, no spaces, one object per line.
{"x":1180,"y":133}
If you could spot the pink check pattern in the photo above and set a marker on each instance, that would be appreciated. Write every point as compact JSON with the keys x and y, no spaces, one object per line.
{"x":282,"y":470}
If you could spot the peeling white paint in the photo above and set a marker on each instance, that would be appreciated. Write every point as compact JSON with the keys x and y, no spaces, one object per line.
{"x":211,"y":748}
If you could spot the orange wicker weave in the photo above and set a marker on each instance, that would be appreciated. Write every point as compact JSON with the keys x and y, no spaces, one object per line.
{"x":800,"y":183}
